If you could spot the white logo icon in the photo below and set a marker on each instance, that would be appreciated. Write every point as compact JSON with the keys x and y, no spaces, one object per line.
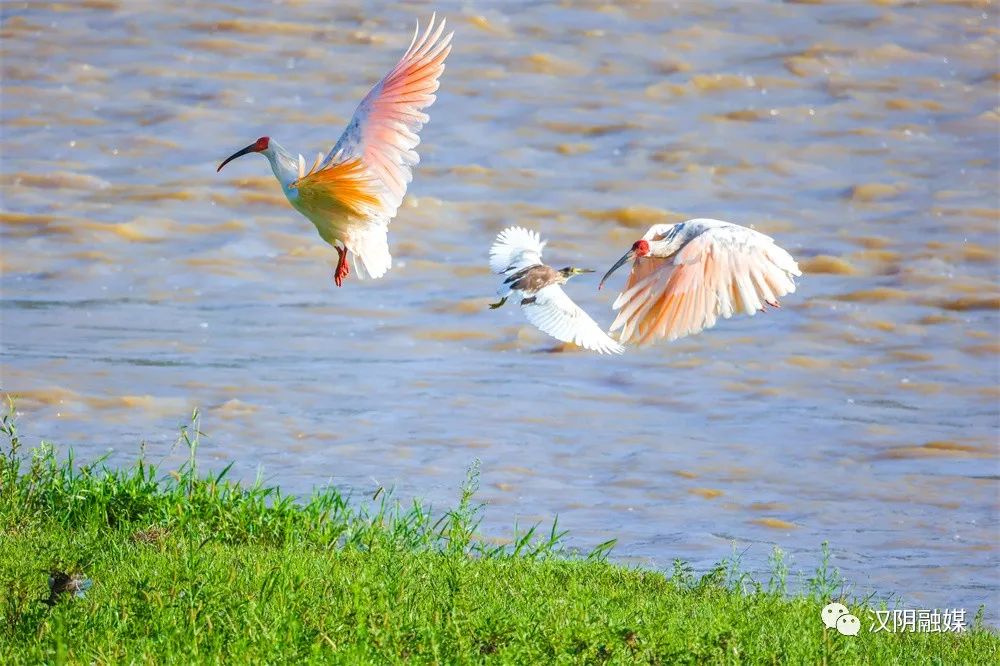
{"x":848,"y":625}
{"x":832,"y":613}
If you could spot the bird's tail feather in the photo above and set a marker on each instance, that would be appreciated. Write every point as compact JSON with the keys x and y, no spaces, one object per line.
{"x":370,"y":253}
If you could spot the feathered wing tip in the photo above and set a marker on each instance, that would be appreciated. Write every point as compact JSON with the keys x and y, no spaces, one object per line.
{"x":783,"y":260}
{"x":553,"y":312}
{"x":515,"y":247}
{"x":600,"y":342}
{"x":427,"y":43}
{"x":395,"y":115}
{"x":370,"y":253}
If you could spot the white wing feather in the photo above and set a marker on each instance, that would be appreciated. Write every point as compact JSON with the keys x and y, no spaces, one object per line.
{"x":555,"y":313}
{"x":515,"y":248}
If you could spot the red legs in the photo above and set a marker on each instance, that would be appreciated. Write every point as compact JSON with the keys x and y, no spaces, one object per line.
{"x":342,"y":269}
{"x":774,"y":304}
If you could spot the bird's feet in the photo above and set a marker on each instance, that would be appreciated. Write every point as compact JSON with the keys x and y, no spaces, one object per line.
{"x":342,"y":270}
{"x":494,"y":306}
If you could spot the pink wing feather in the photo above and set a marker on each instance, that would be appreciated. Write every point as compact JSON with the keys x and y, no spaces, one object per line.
{"x":718,"y":273}
{"x":383,"y":130}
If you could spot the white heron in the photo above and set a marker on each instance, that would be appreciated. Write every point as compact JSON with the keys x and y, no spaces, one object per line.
{"x":517,"y":255}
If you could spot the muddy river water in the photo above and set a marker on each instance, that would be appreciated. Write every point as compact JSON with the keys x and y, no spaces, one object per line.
{"x":138,"y":284}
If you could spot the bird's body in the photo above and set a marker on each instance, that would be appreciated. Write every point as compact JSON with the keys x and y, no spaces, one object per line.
{"x":533,"y":279}
{"x":517,"y":255}
{"x":687,"y":275}
{"x":351,"y":194}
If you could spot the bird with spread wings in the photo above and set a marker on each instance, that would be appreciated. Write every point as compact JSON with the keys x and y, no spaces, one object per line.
{"x":516,"y":254}
{"x":686,"y":276}
{"x":351,"y":194}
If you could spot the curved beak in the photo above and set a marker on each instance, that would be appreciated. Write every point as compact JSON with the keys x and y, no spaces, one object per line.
{"x":624,"y":260}
{"x":252,"y":148}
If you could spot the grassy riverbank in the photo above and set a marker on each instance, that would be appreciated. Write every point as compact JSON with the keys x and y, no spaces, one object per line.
{"x":186,"y":567}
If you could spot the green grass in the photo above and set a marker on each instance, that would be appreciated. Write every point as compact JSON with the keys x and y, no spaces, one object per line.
{"x":188,"y":567}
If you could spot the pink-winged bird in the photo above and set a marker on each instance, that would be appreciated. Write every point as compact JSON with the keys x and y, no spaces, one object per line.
{"x":687,"y":275}
{"x":353,"y":192}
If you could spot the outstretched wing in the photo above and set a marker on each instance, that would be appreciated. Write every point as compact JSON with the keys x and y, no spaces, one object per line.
{"x":515,"y":248}
{"x":722,"y":271}
{"x":553,"y":312}
{"x":382,"y":132}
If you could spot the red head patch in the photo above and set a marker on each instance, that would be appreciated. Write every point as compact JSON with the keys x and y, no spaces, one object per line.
{"x":262,"y":144}
{"x":641,"y":248}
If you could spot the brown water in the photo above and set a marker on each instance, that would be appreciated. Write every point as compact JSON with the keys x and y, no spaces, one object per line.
{"x":138,"y":284}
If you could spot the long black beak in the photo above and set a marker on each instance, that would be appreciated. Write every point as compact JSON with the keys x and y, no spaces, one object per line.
{"x":252,"y":148}
{"x":624,"y":260}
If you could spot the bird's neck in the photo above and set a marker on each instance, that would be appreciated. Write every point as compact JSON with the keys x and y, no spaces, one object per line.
{"x":284,"y":165}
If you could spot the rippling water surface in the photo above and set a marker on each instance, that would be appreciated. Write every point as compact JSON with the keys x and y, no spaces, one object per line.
{"x":137,"y":283}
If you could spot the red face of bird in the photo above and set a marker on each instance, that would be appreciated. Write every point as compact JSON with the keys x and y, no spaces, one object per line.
{"x":259,"y":146}
{"x":640,"y":248}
